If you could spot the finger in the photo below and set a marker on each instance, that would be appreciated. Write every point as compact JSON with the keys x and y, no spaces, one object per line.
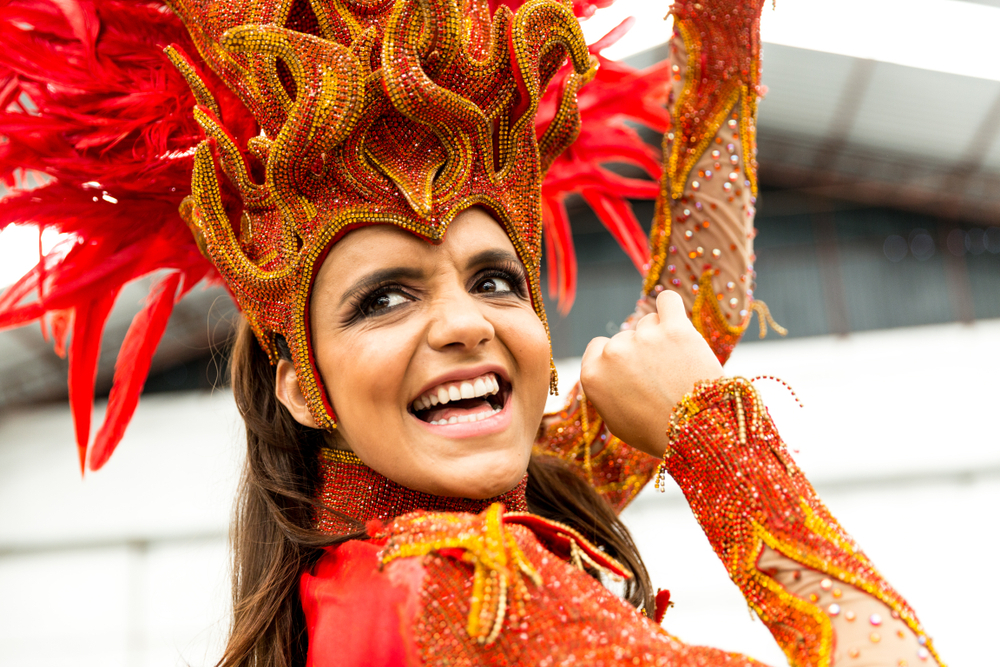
{"x":589,"y":365}
{"x":645,"y":305}
{"x":670,"y":307}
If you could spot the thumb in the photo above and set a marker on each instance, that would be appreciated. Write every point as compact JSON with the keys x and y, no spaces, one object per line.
{"x":670,"y":307}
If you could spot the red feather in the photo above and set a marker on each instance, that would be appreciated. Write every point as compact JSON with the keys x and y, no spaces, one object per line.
{"x":132,"y":367}
{"x":617,"y":96}
{"x":92,"y":109}
{"x":559,"y":248}
{"x":617,"y":215}
{"x":85,"y":347}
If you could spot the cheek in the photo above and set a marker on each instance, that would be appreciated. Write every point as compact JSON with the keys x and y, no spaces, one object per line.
{"x":363,"y":374}
{"x":529,"y":344}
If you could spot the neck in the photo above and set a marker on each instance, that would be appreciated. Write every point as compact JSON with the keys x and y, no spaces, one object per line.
{"x":353,"y":489}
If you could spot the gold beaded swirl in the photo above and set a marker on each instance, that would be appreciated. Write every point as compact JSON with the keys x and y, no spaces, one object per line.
{"x":401,"y":112}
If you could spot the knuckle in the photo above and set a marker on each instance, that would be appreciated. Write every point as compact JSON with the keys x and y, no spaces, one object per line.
{"x":616,"y":348}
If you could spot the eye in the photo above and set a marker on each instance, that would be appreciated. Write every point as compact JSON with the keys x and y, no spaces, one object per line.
{"x":384,"y":301}
{"x":496,"y":284}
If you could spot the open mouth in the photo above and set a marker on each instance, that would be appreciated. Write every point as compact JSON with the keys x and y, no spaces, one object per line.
{"x":464,"y":401}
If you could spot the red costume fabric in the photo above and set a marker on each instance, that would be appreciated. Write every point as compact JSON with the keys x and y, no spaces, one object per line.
{"x":456,"y":588}
{"x":439,"y":584}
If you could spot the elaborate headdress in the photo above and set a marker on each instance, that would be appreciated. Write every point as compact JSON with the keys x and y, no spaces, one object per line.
{"x":400,"y":113}
{"x":320,"y":116}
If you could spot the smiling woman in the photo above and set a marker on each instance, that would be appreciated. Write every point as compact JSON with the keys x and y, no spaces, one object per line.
{"x":406,"y":334}
{"x":395,"y":320}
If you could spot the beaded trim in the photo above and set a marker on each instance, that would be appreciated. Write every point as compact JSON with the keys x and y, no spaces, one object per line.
{"x":501,"y":570}
{"x":707,"y":97}
{"x":357,"y":494}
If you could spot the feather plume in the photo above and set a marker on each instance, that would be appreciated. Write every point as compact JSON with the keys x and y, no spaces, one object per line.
{"x":85,"y":346}
{"x":610,"y":105}
{"x":91,"y":108}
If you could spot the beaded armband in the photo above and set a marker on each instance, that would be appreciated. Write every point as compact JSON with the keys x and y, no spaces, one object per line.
{"x":706,"y":394}
{"x":747,"y":494}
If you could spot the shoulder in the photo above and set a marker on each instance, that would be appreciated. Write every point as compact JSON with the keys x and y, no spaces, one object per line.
{"x":358,"y":613}
{"x":365,"y":600}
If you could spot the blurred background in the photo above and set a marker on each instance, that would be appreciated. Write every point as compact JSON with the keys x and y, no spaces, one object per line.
{"x":878,"y":248}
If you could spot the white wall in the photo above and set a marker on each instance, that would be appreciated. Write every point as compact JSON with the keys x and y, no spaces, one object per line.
{"x":899,"y":434}
{"x":129,"y":565}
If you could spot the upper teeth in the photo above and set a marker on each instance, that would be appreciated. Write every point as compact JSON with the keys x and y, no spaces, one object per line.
{"x":485,"y":385}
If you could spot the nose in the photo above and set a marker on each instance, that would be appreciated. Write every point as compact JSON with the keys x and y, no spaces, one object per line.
{"x":458,"y":322}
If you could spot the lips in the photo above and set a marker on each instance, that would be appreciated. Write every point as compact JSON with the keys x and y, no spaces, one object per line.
{"x":460,"y":401}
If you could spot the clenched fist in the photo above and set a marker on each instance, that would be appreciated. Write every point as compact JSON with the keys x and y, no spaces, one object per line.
{"x":635,"y":378}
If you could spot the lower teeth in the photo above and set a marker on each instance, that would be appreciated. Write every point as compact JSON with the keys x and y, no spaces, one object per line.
{"x":479,"y":416}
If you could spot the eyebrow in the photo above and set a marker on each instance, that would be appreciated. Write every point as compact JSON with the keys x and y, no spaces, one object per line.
{"x":492,"y":256}
{"x":396,"y":273}
{"x":378,"y":278}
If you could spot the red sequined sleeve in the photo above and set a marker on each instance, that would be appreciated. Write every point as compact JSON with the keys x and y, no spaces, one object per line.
{"x":770,"y":529}
{"x":702,"y":234}
{"x":577,"y":435}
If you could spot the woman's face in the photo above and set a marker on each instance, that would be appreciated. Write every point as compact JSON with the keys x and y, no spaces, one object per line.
{"x":433,"y":358}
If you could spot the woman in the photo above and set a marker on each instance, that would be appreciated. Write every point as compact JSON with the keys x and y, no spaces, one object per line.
{"x":378,"y":219}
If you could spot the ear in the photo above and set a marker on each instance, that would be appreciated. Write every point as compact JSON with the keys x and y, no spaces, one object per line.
{"x":289,"y":394}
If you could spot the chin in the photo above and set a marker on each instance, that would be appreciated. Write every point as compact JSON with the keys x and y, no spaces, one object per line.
{"x":484,"y":477}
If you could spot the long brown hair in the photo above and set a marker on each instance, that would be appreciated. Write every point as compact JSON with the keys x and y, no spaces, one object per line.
{"x":273,"y":540}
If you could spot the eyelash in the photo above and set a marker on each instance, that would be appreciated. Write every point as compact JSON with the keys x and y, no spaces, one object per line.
{"x":512,"y":272}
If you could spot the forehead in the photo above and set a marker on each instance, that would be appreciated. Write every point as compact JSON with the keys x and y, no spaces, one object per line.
{"x":379,"y":246}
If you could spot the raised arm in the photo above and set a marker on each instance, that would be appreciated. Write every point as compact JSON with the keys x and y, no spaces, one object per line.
{"x":702,"y":234}
{"x":799,"y":570}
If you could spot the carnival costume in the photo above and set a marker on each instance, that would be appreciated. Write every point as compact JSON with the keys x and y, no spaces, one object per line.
{"x":268,"y":129}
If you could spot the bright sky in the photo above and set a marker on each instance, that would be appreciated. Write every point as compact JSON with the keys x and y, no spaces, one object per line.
{"x":19,"y":250}
{"x":942,"y":35}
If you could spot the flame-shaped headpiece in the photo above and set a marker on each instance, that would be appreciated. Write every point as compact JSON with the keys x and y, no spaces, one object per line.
{"x":401,"y":112}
